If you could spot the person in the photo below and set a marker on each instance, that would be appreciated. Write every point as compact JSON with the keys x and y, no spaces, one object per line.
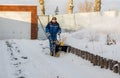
{"x":52,"y":30}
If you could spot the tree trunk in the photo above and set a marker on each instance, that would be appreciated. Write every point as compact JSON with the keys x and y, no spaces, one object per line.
{"x":97,"y":6}
{"x":42,"y":7}
{"x":70,"y":9}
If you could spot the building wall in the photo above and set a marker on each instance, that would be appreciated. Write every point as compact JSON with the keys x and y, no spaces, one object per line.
{"x":22,"y":21}
{"x":15,"y":25}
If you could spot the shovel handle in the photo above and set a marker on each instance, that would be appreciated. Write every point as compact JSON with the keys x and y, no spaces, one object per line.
{"x":59,"y":37}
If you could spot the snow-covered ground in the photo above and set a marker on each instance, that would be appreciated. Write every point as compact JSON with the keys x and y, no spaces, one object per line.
{"x":96,"y":42}
{"x":31,"y":59}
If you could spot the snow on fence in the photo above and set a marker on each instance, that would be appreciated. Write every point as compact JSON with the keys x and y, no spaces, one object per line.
{"x":78,"y":20}
{"x":98,"y":20}
{"x":110,"y":13}
{"x":97,"y":60}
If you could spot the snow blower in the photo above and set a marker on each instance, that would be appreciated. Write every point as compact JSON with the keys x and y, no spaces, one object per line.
{"x":60,"y":46}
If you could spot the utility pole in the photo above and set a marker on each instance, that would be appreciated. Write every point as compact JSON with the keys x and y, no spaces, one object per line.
{"x":70,"y":9}
{"x":56,"y":10}
{"x":97,"y":6}
{"x":42,"y":7}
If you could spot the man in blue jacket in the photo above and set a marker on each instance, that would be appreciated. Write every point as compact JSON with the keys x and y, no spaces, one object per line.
{"x":52,"y":29}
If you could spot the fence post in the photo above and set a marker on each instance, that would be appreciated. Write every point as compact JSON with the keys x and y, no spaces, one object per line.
{"x":101,"y":62}
{"x":68,"y":49}
{"x":119,"y":68}
{"x":78,"y":52}
{"x":73,"y":50}
{"x":86,"y":55}
{"x":110,"y":64}
{"x":95,"y":60}
{"x":91,"y":58}
{"x":105,"y":63}
{"x":115,"y":66}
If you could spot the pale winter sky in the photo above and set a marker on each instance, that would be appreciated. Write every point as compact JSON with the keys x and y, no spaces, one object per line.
{"x":62,"y":4}
{"x":50,"y":5}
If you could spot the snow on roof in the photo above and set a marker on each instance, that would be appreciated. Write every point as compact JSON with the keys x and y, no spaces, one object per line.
{"x":19,"y":2}
{"x":22,"y":2}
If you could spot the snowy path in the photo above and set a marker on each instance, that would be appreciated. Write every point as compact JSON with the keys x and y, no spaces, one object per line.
{"x":38,"y":63}
{"x":3,"y":62}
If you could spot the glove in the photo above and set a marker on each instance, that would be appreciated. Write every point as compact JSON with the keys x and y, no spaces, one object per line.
{"x":48,"y":34}
{"x":59,"y":33}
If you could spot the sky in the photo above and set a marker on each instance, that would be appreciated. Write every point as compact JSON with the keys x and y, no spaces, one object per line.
{"x":50,"y":5}
{"x":111,"y":4}
{"x":62,"y":4}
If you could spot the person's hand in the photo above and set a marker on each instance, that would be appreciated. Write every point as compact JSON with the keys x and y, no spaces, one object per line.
{"x":48,"y":34}
{"x":59,"y":33}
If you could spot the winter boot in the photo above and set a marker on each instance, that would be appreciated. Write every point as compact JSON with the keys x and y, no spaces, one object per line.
{"x":57,"y":54}
{"x":51,"y":53}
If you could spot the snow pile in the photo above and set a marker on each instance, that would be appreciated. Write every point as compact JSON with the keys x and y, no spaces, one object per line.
{"x":102,"y":23}
{"x":95,"y":42}
{"x":93,"y":37}
{"x":31,"y":59}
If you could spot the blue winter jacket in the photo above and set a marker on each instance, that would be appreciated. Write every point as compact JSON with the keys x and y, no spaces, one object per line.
{"x":53,"y":29}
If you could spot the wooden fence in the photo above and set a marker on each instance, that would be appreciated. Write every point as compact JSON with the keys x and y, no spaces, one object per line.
{"x":96,"y":60}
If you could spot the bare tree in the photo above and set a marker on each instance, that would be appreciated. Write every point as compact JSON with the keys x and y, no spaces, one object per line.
{"x":86,"y":6}
{"x":42,"y":7}
{"x":70,"y":9}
